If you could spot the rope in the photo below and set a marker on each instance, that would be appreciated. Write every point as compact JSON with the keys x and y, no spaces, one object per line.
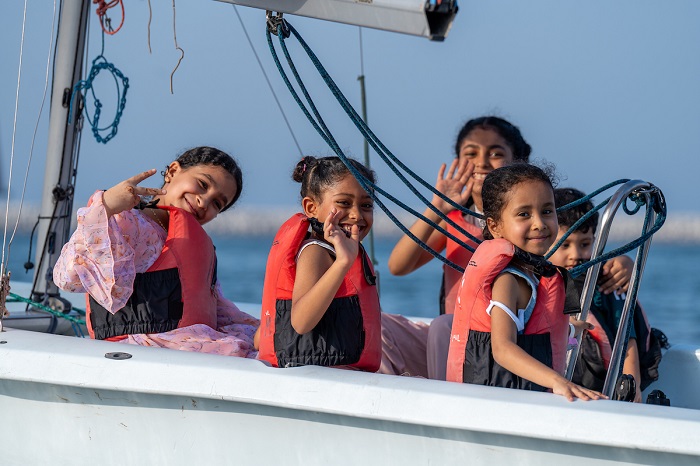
{"x":284,"y":29}
{"x":177,"y":47}
{"x":98,"y":64}
{"x":370,"y":187}
{"x":105,"y":21}
{"x":269,"y":84}
{"x":14,"y":298}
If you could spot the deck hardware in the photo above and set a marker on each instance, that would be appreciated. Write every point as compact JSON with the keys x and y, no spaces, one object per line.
{"x":118,"y":355}
{"x":273,"y":21}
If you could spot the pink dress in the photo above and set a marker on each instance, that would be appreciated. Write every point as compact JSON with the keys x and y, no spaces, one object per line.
{"x":103,"y":257}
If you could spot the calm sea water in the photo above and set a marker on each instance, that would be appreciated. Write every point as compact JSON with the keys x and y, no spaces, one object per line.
{"x":670,"y":285}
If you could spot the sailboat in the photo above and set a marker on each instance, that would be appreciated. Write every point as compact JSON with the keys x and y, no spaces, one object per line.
{"x":67,"y":400}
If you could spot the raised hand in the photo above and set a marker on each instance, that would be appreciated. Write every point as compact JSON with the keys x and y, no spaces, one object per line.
{"x":346,"y":246}
{"x":457,"y":185}
{"x":127,"y":194}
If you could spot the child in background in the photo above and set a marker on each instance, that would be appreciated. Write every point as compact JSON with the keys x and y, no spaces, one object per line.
{"x":509,"y":328}
{"x":320,"y":300}
{"x":150,"y":270}
{"x":606,"y":309}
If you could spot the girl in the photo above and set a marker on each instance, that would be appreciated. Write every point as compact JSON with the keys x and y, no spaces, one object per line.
{"x":320,"y":301}
{"x":150,"y":269}
{"x":509,"y":328}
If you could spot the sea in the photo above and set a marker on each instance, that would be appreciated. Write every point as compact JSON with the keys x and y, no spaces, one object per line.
{"x":670,"y":283}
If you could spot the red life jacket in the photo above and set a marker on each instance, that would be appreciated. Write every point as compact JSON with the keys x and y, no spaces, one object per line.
{"x":459,"y":255}
{"x":544,"y":337}
{"x":178,"y":290}
{"x":348,"y":334}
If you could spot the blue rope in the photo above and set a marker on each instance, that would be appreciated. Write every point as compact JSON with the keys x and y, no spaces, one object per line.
{"x":370,"y":187}
{"x":98,"y":64}
{"x":392,"y":162}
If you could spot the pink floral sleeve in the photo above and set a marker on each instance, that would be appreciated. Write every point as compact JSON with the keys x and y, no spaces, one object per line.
{"x":104,"y":254}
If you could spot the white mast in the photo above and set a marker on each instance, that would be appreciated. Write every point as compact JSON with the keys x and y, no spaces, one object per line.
{"x":64,"y":135}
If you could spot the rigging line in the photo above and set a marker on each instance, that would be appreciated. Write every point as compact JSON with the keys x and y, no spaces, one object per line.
{"x":14,"y":133}
{"x":150,"y":17}
{"x":269,"y":84}
{"x":177,"y":47}
{"x":36,"y":130}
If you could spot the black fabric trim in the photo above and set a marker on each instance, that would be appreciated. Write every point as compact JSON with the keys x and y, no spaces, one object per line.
{"x":481,"y":368}
{"x":155,"y":306}
{"x":338,"y":339}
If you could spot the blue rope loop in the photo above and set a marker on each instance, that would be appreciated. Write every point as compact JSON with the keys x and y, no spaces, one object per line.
{"x":392,"y":162}
{"x":98,"y":64}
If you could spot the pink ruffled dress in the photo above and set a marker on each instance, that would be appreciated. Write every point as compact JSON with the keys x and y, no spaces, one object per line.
{"x":103,"y":257}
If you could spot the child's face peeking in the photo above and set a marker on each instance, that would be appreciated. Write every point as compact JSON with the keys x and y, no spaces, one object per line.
{"x":202,"y":190}
{"x":529,"y":218}
{"x":577,"y":248}
{"x":348,"y":198}
{"x":486,"y":150}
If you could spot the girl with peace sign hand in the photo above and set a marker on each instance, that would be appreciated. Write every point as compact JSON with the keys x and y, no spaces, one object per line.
{"x":149,"y":269}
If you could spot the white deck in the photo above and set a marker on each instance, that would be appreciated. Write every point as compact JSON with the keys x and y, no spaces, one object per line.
{"x":63,"y":402}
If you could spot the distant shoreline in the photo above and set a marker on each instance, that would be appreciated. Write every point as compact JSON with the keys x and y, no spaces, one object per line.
{"x":682,"y":227}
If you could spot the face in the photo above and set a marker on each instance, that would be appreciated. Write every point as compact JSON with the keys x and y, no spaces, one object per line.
{"x":577,"y":249}
{"x":529,"y":218}
{"x":347,"y":197}
{"x":202,"y":190}
{"x":486,"y":150}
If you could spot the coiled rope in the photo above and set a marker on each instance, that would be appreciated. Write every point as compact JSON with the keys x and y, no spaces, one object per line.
{"x":98,"y":64}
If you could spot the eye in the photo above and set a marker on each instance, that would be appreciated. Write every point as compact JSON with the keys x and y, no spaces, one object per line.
{"x":470,"y":155}
{"x":548,"y":211}
{"x":203,"y":184}
{"x":496,"y":155}
{"x":368,"y":206}
{"x":523,"y":214}
{"x":218,"y":205}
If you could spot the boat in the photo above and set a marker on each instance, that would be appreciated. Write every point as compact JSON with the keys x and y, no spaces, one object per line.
{"x":68,"y":400}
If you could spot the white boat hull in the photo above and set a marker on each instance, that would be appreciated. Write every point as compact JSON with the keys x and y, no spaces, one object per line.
{"x":63,"y":402}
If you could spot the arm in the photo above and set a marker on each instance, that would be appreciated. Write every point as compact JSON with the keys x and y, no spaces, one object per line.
{"x":508,"y":354}
{"x":319,"y":277}
{"x":407,"y":255}
{"x":109,"y":246}
{"x":631,"y":366}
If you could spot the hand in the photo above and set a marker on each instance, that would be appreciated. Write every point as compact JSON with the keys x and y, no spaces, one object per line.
{"x":580,"y":326}
{"x":346,"y":247}
{"x":572,"y":391}
{"x":127,"y":194}
{"x":457,"y":185}
{"x":616,"y":276}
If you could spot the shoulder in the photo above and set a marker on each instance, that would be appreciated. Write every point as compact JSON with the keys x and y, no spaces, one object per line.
{"x":315,"y":249}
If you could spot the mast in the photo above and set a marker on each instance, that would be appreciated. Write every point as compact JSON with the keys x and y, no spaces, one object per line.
{"x":63,"y":139}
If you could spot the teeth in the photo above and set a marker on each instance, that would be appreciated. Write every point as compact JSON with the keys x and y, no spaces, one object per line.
{"x":479,"y":176}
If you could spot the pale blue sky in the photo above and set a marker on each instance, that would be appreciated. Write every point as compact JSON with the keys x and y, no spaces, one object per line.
{"x":604,"y":90}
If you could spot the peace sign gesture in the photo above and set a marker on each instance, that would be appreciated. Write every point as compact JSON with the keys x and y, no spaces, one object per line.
{"x":127,"y":194}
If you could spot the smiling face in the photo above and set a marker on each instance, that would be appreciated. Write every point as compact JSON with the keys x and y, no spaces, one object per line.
{"x":528,"y":219}
{"x":576,"y":250}
{"x":347,"y":197}
{"x":486,"y":150}
{"x":202,"y":190}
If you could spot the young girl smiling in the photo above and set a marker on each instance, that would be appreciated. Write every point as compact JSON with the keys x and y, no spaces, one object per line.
{"x":510,"y":329}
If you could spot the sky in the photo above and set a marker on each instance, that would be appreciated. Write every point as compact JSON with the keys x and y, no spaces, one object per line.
{"x":603,"y":90}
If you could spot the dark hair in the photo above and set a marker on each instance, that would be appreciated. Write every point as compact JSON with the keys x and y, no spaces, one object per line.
{"x":500,"y":182}
{"x":317,"y":175}
{"x":568,"y":217}
{"x":204,"y":155}
{"x":509,"y":132}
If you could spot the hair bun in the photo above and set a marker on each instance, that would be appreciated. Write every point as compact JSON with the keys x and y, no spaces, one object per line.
{"x":302,"y":166}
